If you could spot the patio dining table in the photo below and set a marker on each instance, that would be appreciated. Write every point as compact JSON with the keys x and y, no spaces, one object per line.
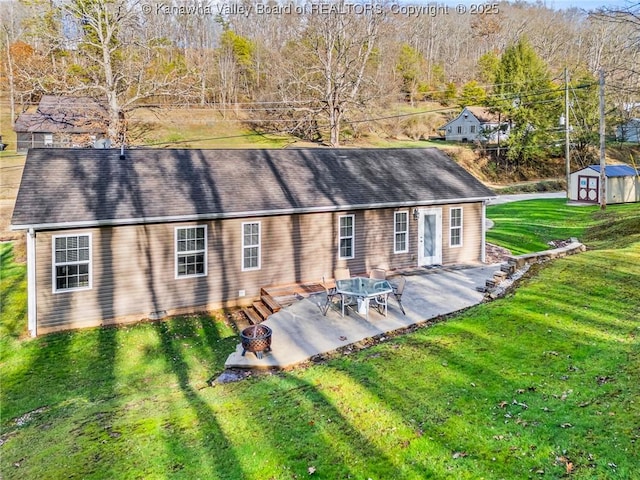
{"x":364,"y":289}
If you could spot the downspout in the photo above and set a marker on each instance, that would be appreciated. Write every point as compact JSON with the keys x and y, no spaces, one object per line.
{"x":32,"y":316}
{"x":483,"y":246}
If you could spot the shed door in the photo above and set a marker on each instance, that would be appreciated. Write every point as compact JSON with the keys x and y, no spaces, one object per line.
{"x":588,"y":189}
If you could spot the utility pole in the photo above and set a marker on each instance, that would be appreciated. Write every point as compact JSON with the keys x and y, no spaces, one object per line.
{"x":566,"y":131}
{"x":603,"y":163}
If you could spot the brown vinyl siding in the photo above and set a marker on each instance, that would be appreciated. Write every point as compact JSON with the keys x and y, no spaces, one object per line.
{"x":471,"y":249}
{"x":134,"y":272}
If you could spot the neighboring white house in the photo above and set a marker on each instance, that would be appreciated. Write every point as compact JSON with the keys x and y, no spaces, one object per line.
{"x":476,"y":124}
{"x":623,"y":184}
{"x":629,"y":132}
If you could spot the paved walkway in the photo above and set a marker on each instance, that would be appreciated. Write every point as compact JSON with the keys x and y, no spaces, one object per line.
{"x":526,"y":196}
{"x":301,"y":332}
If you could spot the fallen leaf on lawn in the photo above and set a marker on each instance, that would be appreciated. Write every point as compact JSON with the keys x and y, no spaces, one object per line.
{"x":566,"y":425}
{"x":503,"y":404}
{"x":459,"y":455}
{"x":498,"y":437}
{"x":311,"y":470}
{"x":569,"y":467}
{"x":520,"y":404}
{"x":584,"y":404}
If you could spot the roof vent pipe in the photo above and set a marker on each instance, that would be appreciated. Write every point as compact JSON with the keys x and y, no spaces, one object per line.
{"x":122,"y":152}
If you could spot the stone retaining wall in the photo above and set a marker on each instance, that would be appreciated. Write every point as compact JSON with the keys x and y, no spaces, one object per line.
{"x":572,"y":248}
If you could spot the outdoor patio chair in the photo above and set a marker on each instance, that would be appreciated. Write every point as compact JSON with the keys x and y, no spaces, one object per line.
{"x":381,"y":300}
{"x":378,"y":274}
{"x":331,"y":293}
{"x":381,"y":303}
{"x":398,"y":290}
{"x":341,"y":273}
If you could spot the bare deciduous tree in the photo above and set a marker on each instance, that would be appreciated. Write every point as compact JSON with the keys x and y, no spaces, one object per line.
{"x":332,"y":57}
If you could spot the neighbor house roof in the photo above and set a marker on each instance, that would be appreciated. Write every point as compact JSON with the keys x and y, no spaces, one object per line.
{"x":616,"y":170}
{"x":65,"y":188}
{"x":64,"y":115}
{"x":483,"y":114}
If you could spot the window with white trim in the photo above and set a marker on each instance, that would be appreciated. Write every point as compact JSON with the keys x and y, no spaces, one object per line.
{"x":251,"y":246}
{"x":455,"y":227}
{"x":459,"y":129}
{"x":346,"y":241}
{"x":472,"y":129}
{"x":47,"y":140}
{"x":191,"y":251}
{"x":71,"y":262}
{"x":401,"y":232}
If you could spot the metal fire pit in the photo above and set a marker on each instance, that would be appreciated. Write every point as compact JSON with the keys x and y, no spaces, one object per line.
{"x":256,"y":339}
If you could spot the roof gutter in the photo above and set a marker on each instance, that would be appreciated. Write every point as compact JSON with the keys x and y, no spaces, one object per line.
{"x":245,"y":214}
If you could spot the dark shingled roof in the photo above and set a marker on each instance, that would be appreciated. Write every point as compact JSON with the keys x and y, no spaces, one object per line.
{"x":65,"y":115}
{"x":83,"y":187}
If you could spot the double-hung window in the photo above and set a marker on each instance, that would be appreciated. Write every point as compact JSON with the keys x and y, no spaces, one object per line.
{"x":346,"y":242}
{"x":71,"y":262}
{"x":191,"y":251}
{"x":251,"y":246}
{"x":455,"y":227}
{"x":401,"y":232}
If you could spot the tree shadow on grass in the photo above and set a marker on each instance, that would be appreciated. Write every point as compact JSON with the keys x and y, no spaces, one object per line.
{"x":212,"y":436}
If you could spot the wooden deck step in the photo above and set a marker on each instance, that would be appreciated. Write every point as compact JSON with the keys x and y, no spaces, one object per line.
{"x":262,"y":310}
{"x":269,"y":301}
{"x":252,"y":315}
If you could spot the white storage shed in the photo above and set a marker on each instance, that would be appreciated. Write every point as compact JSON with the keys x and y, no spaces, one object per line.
{"x":623,"y":184}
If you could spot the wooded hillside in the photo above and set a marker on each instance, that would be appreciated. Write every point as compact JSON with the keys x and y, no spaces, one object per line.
{"x":334,"y":71}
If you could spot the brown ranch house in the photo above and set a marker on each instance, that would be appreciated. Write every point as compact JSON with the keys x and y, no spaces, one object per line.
{"x":119,"y":236}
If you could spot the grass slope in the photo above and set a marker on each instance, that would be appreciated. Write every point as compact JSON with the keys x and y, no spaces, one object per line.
{"x":527,"y":226}
{"x":541,"y":384}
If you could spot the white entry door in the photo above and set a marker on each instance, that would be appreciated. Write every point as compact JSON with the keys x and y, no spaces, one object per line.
{"x":430,"y":237}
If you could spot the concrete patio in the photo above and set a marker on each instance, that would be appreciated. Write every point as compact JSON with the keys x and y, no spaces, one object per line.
{"x":301,"y":332}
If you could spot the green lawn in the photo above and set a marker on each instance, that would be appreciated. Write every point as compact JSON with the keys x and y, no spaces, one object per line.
{"x":525,"y":227}
{"x":540,"y":384}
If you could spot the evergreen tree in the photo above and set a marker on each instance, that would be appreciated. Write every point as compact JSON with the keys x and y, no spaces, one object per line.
{"x":472,"y":94}
{"x":525,"y":95}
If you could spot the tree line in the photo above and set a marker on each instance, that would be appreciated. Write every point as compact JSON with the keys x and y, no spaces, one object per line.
{"x":321,"y":70}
